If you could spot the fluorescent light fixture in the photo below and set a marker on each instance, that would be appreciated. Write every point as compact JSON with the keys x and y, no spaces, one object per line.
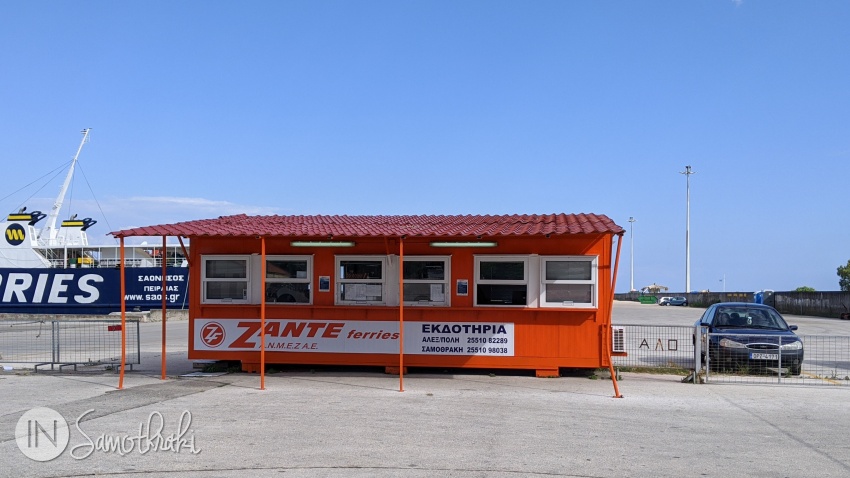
{"x":464,"y":244}
{"x":321,"y":244}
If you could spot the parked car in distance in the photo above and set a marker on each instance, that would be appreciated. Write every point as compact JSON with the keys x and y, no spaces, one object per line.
{"x":683,"y":301}
{"x":752,"y":337}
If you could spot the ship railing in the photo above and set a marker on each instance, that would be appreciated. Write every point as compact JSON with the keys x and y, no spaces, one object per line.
{"x":114,"y":263}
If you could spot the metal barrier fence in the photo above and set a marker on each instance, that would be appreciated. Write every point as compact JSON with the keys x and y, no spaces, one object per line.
{"x":825,"y":358}
{"x":657,"y":347}
{"x":67,"y":342}
{"x":825,"y":361}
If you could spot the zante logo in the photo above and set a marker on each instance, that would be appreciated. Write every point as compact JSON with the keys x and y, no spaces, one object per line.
{"x":212,"y":334}
{"x":15,"y":234}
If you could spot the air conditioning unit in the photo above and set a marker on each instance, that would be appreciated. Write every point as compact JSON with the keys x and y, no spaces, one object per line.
{"x":618,"y":339}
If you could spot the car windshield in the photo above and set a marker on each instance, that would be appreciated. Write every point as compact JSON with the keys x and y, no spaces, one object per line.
{"x":749,"y":317}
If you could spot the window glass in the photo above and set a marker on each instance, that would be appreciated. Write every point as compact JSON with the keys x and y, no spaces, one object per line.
{"x":362,"y":292}
{"x":424,"y":270}
{"x":501,"y":280}
{"x":495,"y":294}
{"x":502,"y":270}
{"x":286,"y":269}
{"x":288,"y":279}
{"x":360,"y":269}
{"x":224,"y":290}
{"x":580,"y":293}
{"x":225,"y":279}
{"x":288,"y":292}
{"x":226,"y":268}
{"x":569,"y":270}
{"x":426,"y":280}
{"x":568,"y":281}
{"x":361,"y":280}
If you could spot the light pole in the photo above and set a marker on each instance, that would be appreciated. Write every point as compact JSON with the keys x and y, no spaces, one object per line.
{"x":723,"y":280}
{"x":687,"y":172}
{"x":632,"y":253}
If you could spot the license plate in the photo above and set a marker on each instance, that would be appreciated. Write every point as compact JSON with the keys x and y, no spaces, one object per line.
{"x":758,"y":356}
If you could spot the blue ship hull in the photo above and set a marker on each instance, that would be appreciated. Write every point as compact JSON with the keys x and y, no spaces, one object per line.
{"x":90,"y":290}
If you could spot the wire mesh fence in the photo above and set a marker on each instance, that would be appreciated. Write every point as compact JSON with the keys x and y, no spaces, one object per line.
{"x":656,"y":347}
{"x":818,"y":360}
{"x":742,"y":358}
{"x":67,"y":342}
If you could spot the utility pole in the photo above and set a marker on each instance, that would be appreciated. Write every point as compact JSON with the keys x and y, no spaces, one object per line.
{"x":687,"y":172}
{"x":632,"y":254}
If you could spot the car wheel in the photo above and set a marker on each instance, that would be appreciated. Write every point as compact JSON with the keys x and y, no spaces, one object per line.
{"x":795,"y":370}
{"x":684,"y":304}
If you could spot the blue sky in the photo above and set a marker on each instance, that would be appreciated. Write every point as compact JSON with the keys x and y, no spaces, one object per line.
{"x":206,"y":108}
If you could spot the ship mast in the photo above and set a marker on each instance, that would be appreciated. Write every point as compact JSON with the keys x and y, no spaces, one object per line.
{"x":48,"y":234}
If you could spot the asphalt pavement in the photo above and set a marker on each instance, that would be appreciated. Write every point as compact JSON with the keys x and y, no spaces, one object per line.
{"x":348,"y":422}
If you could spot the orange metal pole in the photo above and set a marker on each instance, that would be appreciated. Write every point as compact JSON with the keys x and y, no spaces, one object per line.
{"x":401,"y":314}
{"x":610,"y":312}
{"x":123,"y":318}
{"x":263,"y":313}
{"x":162,"y":256}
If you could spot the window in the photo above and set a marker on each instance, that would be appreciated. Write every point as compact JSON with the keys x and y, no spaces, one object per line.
{"x":288,"y":279}
{"x":568,"y":281}
{"x":501,"y":280}
{"x":225,"y":279}
{"x":361,"y":279}
{"x":426,"y":280}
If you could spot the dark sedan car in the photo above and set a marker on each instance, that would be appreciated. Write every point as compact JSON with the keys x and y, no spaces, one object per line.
{"x":682,"y":301}
{"x":750,"y":337}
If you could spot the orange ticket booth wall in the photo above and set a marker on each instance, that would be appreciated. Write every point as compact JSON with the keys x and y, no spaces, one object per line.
{"x":523,"y":302}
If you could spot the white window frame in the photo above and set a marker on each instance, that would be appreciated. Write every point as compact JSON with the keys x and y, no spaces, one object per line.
{"x":205,"y":280}
{"x":593,"y":281}
{"x":445,"y":281}
{"x":340,"y":283}
{"x":529,"y":292}
{"x":291,"y":280}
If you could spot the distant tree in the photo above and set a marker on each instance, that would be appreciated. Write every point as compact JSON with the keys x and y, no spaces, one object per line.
{"x":844,"y":277}
{"x":804,"y":288}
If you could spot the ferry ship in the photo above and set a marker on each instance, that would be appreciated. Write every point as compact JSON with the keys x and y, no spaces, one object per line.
{"x":50,"y":269}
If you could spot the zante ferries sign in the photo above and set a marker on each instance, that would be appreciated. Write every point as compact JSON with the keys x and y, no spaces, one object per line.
{"x":373,"y":337}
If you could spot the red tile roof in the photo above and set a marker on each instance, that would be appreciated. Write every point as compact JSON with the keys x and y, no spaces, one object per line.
{"x":383,"y":226}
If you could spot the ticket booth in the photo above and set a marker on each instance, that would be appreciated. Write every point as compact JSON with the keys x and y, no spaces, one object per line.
{"x":529,"y":292}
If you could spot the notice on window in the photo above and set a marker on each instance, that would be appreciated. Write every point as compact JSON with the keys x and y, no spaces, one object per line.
{"x":362,"y":292}
{"x":462,"y":287}
{"x":437,"y":294}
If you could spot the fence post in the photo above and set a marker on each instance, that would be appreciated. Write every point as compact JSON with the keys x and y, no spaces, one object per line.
{"x":697,"y":352}
{"x":54,"y":334}
{"x":139,"y":345}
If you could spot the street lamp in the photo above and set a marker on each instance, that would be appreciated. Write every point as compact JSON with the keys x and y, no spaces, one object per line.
{"x":687,"y":172}
{"x":632,"y":253}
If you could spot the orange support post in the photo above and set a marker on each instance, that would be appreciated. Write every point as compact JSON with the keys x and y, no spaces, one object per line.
{"x":123,"y":318}
{"x":607,"y":334}
{"x":262,"y":313}
{"x":401,"y":314}
{"x":164,"y":288}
